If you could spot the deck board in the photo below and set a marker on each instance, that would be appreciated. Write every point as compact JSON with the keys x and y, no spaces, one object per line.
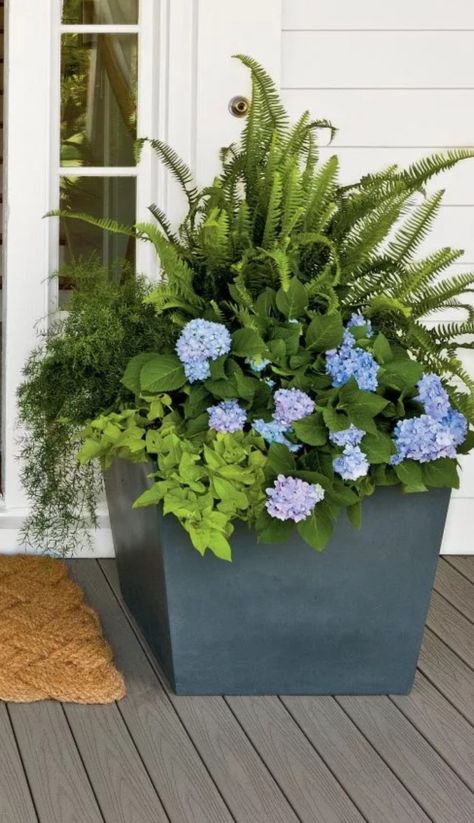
{"x":158,"y":758}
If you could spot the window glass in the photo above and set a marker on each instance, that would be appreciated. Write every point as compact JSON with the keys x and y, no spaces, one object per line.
{"x":100,"y":11}
{"x":112,"y":197}
{"x":98,"y":99}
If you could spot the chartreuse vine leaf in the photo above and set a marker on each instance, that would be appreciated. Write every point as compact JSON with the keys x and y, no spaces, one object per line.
{"x":163,"y":372}
{"x":325,"y":332}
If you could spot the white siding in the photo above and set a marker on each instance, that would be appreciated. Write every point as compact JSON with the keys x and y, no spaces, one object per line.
{"x":397,"y":79}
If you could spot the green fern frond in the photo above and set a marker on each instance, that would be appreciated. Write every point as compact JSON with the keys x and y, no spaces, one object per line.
{"x":165,"y":224}
{"x":415,"y":228}
{"x":178,"y":168}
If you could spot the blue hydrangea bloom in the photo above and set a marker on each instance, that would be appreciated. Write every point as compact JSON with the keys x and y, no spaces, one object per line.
{"x":199,"y":342}
{"x":274,"y":432}
{"x":358,"y":319}
{"x":292,"y":498}
{"x":227,"y":416}
{"x":269,"y":382}
{"x":456,"y":424}
{"x":291,"y":405}
{"x":197,"y":371}
{"x":433,"y":396}
{"x":257,"y":364}
{"x":349,"y":361}
{"x":351,"y":464}
{"x":424,"y":438}
{"x":347,"y":437}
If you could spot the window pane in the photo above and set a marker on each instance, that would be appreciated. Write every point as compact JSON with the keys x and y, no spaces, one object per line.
{"x":98,"y":99}
{"x":112,"y":197}
{"x":100,"y":11}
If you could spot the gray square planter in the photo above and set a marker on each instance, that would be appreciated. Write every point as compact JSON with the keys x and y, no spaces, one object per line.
{"x":281,"y":619}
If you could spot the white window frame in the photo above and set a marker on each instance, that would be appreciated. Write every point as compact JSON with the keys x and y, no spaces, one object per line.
{"x":31,"y":187}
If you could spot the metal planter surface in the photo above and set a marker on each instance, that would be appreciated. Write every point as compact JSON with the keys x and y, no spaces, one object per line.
{"x":281,"y":619}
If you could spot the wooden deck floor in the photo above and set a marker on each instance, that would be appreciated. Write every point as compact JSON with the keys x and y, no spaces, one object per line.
{"x":155,"y":757}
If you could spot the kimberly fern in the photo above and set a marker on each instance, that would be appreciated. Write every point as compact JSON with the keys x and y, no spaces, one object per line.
{"x":276,"y":212}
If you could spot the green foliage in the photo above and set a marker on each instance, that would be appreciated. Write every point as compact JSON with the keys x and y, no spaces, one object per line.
{"x":74,"y":374}
{"x":282,"y":255}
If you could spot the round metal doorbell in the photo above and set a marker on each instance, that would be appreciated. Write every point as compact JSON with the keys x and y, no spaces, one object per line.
{"x":239,"y":106}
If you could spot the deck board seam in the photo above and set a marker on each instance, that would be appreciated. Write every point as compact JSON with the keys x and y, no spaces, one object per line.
{"x":163,"y":683}
{"x":84,"y":766}
{"x":448,"y":558}
{"x":321,"y":755}
{"x":137,"y":749}
{"x":463,"y":614}
{"x":457,"y":569}
{"x":20,"y":755}
{"x":429,"y":630}
{"x":430,"y":742}
{"x":382,"y":758}
{"x":260,"y":756}
{"x":442,"y":693}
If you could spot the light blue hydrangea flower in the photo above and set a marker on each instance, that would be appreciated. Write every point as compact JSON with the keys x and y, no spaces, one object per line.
{"x":424,"y":438}
{"x":358,"y":319}
{"x":274,"y":432}
{"x":227,"y":416}
{"x":456,"y":424}
{"x":347,"y":437}
{"x":433,"y":396}
{"x":199,"y":342}
{"x":257,"y":364}
{"x":349,"y":361}
{"x":269,"y":382}
{"x":200,"y":370}
{"x":291,"y":405}
{"x":292,"y":498}
{"x":351,"y":464}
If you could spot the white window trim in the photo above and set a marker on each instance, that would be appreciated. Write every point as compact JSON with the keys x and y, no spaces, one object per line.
{"x":31,"y":186}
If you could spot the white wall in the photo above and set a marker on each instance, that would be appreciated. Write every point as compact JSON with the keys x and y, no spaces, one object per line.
{"x":397,"y":79}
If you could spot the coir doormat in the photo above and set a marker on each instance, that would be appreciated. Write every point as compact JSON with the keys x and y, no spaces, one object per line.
{"x":51,"y":642}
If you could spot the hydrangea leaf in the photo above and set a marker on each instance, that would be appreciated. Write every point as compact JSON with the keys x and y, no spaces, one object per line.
{"x":325,"y":332}
{"x":292,"y":301}
{"x":378,"y":447}
{"x":382,"y":350}
{"x":316,"y":529}
{"x":279,"y":460}
{"x":248,"y":343}
{"x":131,"y":377}
{"x":410,"y":475}
{"x":311,"y":430}
{"x":401,"y":374}
{"x":163,"y":372}
{"x":271,"y":530}
{"x":442,"y":473}
{"x":354,"y":513}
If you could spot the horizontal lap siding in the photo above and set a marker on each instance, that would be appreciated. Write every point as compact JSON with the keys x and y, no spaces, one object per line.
{"x":397,"y":79}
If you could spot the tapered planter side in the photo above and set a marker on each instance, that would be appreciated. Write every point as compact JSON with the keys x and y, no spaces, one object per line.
{"x":281,"y":619}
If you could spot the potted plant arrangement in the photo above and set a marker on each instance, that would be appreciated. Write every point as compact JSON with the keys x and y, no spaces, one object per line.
{"x":278,"y":472}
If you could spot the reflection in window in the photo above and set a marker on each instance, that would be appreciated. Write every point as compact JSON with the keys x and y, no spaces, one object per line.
{"x":98,"y":99}
{"x":100,"y":11}
{"x":112,"y":197}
